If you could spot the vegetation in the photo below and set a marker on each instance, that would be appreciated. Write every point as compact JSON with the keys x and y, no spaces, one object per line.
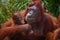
{"x":7,"y":7}
{"x":53,"y":6}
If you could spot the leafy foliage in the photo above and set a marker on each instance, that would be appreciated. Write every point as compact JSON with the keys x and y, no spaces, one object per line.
{"x":7,"y":7}
{"x":53,"y":6}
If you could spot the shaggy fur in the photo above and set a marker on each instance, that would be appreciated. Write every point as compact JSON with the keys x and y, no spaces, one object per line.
{"x":42,"y":24}
{"x":55,"y":35}
{"x":17,"y":19}
{"x":15,"y":31}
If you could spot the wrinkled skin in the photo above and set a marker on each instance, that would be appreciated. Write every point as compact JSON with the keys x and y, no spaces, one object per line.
{"x":32,"y":14}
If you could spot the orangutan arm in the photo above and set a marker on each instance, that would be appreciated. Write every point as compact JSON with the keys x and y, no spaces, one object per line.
{"x":8,"y":23}
{"x":56,"y":34}
{"x":13,"y":30}
{"x":49,"y":36}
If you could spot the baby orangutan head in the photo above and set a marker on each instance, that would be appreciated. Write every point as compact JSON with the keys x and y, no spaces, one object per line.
{"x":17,"y":18}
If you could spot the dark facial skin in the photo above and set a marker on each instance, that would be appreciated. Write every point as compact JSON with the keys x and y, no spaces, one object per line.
{"x":32,"y":14}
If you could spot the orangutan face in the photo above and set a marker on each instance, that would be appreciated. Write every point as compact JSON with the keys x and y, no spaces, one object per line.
{"x":32,"y":14}
{"x":17,"y":18}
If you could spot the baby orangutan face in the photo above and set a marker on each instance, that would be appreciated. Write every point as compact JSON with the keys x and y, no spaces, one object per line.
{"x":17,"y":19}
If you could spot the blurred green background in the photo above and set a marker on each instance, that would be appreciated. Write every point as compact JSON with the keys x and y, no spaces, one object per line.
{"x":7,"y":7}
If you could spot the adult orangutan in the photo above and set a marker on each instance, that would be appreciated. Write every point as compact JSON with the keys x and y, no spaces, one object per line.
{"x":41,"y":22}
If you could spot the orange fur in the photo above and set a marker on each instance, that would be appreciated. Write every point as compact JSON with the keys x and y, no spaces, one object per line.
{"x":10,"y":31}
{"x":46,"y":21}
{"x":49,"y":36}
{"x":10,"y":22}
{"x":56,"y":34}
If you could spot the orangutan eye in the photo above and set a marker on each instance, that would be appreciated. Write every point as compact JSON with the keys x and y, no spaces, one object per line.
{"x":31,"y":12}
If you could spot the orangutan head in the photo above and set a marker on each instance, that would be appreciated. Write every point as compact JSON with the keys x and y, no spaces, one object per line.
{"x":17,"y":18}
{"x":34,"y":11}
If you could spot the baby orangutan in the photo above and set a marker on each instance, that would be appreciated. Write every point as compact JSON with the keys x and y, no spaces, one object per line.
{"x":16,"y":19}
